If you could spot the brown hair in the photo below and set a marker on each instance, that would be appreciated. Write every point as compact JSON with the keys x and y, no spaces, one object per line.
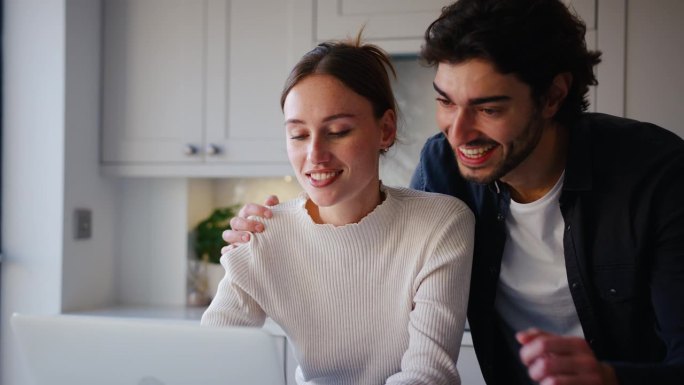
{"x":361,"y":67}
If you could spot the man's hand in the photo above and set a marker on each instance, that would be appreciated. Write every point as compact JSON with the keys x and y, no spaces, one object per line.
{"x":556,"y":360}
{"x":242,"y":227}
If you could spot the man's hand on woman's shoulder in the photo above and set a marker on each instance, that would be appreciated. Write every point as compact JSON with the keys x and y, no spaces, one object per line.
{"x":241,"y":226}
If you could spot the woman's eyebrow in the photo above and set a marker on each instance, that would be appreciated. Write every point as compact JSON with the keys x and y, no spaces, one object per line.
{"x":325,"y":120}
{"x":339,"y":116}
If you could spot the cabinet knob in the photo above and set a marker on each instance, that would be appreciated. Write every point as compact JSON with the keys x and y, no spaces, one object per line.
{"x":190,"y":149}
{"x":213,"y":149}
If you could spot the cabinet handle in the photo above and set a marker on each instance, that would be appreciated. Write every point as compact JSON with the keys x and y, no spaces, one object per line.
{"x":190,"y":150}
{"x":213,"y":149}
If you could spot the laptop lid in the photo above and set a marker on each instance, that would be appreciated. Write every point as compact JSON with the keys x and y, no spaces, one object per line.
{"x":75,"y":350}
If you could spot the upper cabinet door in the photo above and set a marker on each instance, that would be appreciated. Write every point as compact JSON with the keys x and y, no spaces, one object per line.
{"x":398,"y":26}
{"x":248,"y":47}
{"x":153,"y":80}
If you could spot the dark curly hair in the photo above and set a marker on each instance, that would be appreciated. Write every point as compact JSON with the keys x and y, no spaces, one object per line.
{"x":533,"y":39}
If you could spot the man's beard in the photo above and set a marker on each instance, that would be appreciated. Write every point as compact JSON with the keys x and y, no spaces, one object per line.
{"x":520,"y":148}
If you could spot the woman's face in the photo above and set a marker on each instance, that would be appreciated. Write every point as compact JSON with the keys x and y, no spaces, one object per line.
{"x":333,"y":143}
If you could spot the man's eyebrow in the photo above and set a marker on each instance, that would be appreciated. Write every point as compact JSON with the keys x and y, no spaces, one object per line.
{"x":489,"y":99}
{"x":439,"y":91}
{"x":325,"y":120}
{"x":476,"y":101}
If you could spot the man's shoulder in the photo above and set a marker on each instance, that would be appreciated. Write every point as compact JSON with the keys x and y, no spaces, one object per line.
{"x":620,"y":153}
{"x":437,"y":142}
{"x":630,"y":132}
{"x":629,"y":143}
{"x":437,"y":168}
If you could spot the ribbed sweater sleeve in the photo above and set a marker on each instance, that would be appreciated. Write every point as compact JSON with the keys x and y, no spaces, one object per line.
{"x":438,"y":317}
{"x":380,"y":301}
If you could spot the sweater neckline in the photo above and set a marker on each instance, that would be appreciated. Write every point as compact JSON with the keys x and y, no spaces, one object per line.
{"x":369,"y":218}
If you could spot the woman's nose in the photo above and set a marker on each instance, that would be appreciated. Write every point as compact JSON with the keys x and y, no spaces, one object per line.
{"x":318,"y":151}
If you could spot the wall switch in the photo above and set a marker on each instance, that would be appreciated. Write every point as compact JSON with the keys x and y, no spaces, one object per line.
{"x":83,"y":224}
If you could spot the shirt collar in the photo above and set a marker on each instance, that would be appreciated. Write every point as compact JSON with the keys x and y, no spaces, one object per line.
{"x":578,"y":168}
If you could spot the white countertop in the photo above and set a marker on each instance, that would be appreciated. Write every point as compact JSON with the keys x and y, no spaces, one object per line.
{"x":190,"y":314}
{"x":187,"y":314}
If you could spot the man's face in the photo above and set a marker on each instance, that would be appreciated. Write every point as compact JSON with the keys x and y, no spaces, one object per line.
{"x":489,"y":118}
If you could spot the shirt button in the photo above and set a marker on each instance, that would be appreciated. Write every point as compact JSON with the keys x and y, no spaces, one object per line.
{"x":567,"y":228}
{"x":500,"y":217}
{"x":574,"y":285}
{"x":612,"y":292}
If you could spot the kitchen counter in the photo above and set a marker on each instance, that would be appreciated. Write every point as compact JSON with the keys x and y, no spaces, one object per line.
{"x":188,"y":314}
{"x":467,"y":363}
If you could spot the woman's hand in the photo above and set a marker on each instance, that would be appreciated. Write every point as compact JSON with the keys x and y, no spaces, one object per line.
{"x":242,"y":226}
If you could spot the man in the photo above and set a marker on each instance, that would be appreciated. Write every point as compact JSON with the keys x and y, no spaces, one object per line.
{"x":579,"y":258}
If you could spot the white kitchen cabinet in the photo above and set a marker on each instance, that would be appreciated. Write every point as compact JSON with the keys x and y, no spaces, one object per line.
{"x":191,"y":88}
{"x":153,"y":83}
{"x":398,"y":26}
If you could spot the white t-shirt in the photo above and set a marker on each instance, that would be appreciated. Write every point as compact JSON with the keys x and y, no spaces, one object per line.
{"x":533,"y":284}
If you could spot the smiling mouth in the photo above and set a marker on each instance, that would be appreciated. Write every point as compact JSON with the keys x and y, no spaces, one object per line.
{"x":476,"y":153}
{"x":321,"y":176}
{"x":322,"y":179}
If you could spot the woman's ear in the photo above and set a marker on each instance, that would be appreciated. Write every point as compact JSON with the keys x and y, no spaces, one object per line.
{"x":556,"y":94}
{"x":388,"y":127}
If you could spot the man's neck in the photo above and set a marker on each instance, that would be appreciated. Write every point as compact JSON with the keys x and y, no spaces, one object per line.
{"x":539,"y":172}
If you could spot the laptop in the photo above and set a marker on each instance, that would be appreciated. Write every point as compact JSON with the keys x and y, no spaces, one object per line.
{"x":86,"y":350}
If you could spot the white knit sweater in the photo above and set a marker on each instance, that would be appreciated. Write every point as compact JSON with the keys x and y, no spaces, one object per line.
{"x":380,"y":301}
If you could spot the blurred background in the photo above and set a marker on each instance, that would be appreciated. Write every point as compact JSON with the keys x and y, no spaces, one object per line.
{"x":127,"y":122}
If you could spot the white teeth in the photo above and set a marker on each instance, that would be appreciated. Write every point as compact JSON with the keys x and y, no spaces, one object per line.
{"x":475,"y":152}
{"x":322,"y":175}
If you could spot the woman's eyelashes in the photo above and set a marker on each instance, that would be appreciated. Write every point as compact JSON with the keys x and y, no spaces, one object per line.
{"x":298,"y":136}
{"x":331,"y":133}
{"x":339,"y":133}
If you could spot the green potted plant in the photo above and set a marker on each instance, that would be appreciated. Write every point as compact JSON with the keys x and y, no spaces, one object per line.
{"x":207,"y":234}
{"x":207,"y":241}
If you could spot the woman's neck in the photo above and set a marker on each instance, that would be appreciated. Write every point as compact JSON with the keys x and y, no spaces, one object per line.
{"x":347,"y":212}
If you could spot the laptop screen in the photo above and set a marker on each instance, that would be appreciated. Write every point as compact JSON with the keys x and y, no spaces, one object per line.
{"x":73,"y":350}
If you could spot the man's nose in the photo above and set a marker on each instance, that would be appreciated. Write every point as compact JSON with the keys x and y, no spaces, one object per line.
{"x":460,"y":129}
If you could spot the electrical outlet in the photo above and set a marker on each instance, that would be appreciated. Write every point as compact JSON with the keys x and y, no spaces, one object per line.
{"x":84,"y":225}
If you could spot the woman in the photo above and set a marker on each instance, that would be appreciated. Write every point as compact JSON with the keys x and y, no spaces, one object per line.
{"x":369,"y":282}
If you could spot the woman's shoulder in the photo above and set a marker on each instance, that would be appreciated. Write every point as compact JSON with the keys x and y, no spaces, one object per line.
{"x":427,"y":200}
{"x":284,"y":211}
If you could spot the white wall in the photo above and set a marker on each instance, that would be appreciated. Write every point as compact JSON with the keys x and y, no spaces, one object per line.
{"x":416,"y":101}
{"x":152,"y":263}
{"x":87,"y":264}
{"x":33,"y":167}
{"x":50,"y":150}
{"x":655,"y":59}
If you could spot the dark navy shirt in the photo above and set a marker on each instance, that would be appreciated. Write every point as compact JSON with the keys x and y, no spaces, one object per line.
{"x":623,"y":207}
